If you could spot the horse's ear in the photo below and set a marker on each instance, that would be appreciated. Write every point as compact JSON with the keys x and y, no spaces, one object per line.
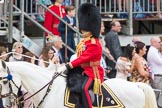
{"x":3,"y":64}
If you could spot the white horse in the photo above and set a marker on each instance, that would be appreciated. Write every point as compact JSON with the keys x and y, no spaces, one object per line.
{"x":132,"y":95}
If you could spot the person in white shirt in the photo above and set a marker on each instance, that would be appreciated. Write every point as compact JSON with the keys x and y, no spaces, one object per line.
{"x":48,"y":59}
{"x":155,"y":62}
{"x":57,"y":45}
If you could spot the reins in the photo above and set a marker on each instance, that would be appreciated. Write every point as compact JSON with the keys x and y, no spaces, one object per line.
{"x":12,"y":96}
{"x":48,"y":90}
{"x":9,"y":94}
{"x":49,"y":83}
{"x":9,"y":78}
{"x":23,"y":56}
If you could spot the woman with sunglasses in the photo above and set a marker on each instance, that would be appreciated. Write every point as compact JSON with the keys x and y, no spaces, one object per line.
{"x":18,"y":49}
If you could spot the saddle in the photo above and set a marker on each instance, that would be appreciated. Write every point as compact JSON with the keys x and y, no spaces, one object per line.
{"x":73,"y":99}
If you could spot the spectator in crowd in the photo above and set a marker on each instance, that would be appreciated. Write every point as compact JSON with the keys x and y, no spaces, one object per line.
{"x":41,"y":10}
{"x":49,"y":59}
{"x":123,"y":64}
{"x":102,"y":31}
{"x":161,"y":45}
{"x":2,"y":8}
{"x":18,"y":49}
{"x":103,"y":62}
{"x":157,"y":4}
{"x":30,"y":60}
{"x":155,"y":62}
{"x":102,"y":42}
{"x":67,"y":34}
{"x":141,"y":72}
{"x":83,"y":1}
{"x":3,"y":51}
{"x":57,"y":45}
{"x":67,"y":3}
{"x":123,"y":9}
{"x":136,"y":39}
{"x":51,"y":22}
{"x":47,"y":2}
{"x":113,"y":44}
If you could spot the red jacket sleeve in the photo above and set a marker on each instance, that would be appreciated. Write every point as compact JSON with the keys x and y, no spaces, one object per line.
{"x":92,"y":52}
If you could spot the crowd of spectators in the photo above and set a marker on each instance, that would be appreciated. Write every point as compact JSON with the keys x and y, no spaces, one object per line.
{"x":128,"y":64}
{"x":131,"y":64}
{"x":119,"y":8}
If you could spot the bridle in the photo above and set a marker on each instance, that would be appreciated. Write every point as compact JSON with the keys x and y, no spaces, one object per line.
{"x":11,"y":95}
{"x":49,"y":84}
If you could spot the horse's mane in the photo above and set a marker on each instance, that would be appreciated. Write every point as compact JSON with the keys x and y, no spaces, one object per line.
{"x":28,"y":66}
{"x":75,"y":79}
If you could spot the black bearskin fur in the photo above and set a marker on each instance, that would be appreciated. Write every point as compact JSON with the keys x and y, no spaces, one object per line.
{"x":89,"y":19}
{"x":75,"y":79}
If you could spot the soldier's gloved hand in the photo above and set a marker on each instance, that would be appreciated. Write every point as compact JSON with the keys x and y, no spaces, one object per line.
{"x":61,"y":69}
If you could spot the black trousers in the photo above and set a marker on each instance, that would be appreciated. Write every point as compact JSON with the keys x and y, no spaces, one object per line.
{"x":87,"y":85}
{"x":1,"y":104}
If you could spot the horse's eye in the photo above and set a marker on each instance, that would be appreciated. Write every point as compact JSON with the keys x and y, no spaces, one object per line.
{"x":5,"y":82}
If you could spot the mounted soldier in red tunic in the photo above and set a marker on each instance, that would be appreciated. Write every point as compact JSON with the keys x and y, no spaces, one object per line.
{"x":89,"y":51}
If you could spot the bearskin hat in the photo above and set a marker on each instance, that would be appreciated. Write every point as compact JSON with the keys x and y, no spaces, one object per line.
{"x":89,"y":19}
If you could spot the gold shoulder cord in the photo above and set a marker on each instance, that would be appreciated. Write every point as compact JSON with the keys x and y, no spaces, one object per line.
{"x":79,"y":48}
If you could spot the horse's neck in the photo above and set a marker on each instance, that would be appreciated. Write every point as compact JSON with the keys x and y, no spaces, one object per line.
{"x":33,"y":77}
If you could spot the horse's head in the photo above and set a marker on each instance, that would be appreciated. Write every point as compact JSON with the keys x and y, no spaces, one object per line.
{"x":8,"y":86}
{"x":4,"y":89}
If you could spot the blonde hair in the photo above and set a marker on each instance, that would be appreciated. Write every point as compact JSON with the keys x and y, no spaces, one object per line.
{"x":15,"y":45}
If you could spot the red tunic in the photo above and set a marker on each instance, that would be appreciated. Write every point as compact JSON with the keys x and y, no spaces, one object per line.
{"x":91,"y":52}
{"x":51,"y":22}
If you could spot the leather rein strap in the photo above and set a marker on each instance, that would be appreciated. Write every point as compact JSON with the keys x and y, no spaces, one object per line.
{"x":10,"y":87}
{"x":48,"y":90}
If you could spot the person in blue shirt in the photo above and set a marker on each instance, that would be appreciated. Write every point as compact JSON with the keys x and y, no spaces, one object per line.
{"x":71,"y":20}
{"x":67,"y":2}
